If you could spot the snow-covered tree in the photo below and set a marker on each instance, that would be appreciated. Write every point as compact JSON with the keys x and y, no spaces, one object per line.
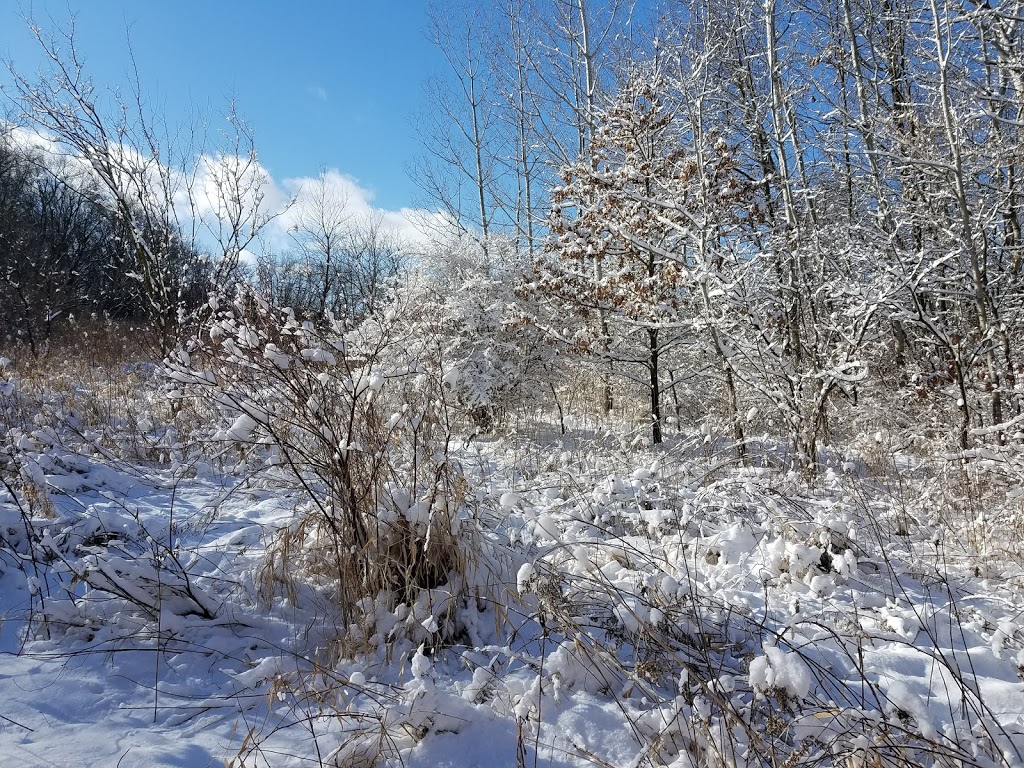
{"x":469,"y":316}
{"x":620,"y":245}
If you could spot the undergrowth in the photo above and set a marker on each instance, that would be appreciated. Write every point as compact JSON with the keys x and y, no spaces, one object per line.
{"x":723,"y":614}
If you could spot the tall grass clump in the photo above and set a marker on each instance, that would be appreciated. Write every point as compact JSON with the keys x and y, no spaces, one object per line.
{"x":359,"y":421}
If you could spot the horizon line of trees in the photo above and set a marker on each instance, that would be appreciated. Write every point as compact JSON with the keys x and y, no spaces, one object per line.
{"x":62,"y":251}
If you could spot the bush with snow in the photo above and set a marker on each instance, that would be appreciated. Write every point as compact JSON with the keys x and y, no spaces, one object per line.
{"x":463,"y":313}
{"x":360,"y":423}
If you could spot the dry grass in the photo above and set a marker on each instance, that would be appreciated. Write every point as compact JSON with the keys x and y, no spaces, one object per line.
{"x":364,"y":433}
{"x":392,"y":543}
{"x":97,"y":387}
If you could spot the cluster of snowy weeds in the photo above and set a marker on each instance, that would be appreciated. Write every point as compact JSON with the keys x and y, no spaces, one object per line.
{"x":118,"y":413}
{"x":772,"y":622}
{"x":665,"y":616}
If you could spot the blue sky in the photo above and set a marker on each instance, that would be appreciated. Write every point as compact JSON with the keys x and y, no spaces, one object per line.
{"x":324,"y":84}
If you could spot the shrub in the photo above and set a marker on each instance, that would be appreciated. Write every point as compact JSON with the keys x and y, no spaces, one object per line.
{"x":362,"y":428}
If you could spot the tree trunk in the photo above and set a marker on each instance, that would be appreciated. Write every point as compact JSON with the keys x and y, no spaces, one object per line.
{"x":652,"y":336}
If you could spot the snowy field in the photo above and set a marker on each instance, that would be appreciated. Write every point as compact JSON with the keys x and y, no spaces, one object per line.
{"x":678,"y":423}
{"x":621,"y":607}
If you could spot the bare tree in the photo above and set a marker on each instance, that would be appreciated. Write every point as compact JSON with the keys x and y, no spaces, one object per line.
{"x":374,"y":256}
{"x":457,"y":132}
{"x":319,"y":231}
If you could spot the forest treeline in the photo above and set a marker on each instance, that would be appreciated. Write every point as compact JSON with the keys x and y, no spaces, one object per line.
{"x":801,"y":201}
{"x":783,"y":217}
{"x":62,"y":255}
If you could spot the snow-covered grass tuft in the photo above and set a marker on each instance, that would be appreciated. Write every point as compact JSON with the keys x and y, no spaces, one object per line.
{"x":388,"y":527}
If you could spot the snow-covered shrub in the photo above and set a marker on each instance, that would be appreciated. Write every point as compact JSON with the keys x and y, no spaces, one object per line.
{"x":468,"y":318}
{"x":361,"y":425}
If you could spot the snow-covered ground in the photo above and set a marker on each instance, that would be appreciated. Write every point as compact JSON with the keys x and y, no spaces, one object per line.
{"x":643,"y":608}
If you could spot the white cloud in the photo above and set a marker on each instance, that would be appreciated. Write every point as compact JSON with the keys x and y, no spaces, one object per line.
{"x":136,"y":175}
{"x":24,"y":138}
{"x":318,"y":92}
{"x":216,"y":184}
{"x":228,"y":187}
{"x":341,"y":188}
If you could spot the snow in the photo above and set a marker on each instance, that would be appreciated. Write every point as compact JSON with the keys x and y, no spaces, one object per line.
{"x":509,"y":500}
{"x":242,"y":428}
{"x":524,"y":577}
{"x":319,"y":356}
{"x":645,"y":609}
{"x":420,"y":664}
{"x":779,"y":669}
{"x":547,"y":527}
{"x":276,"y":356}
